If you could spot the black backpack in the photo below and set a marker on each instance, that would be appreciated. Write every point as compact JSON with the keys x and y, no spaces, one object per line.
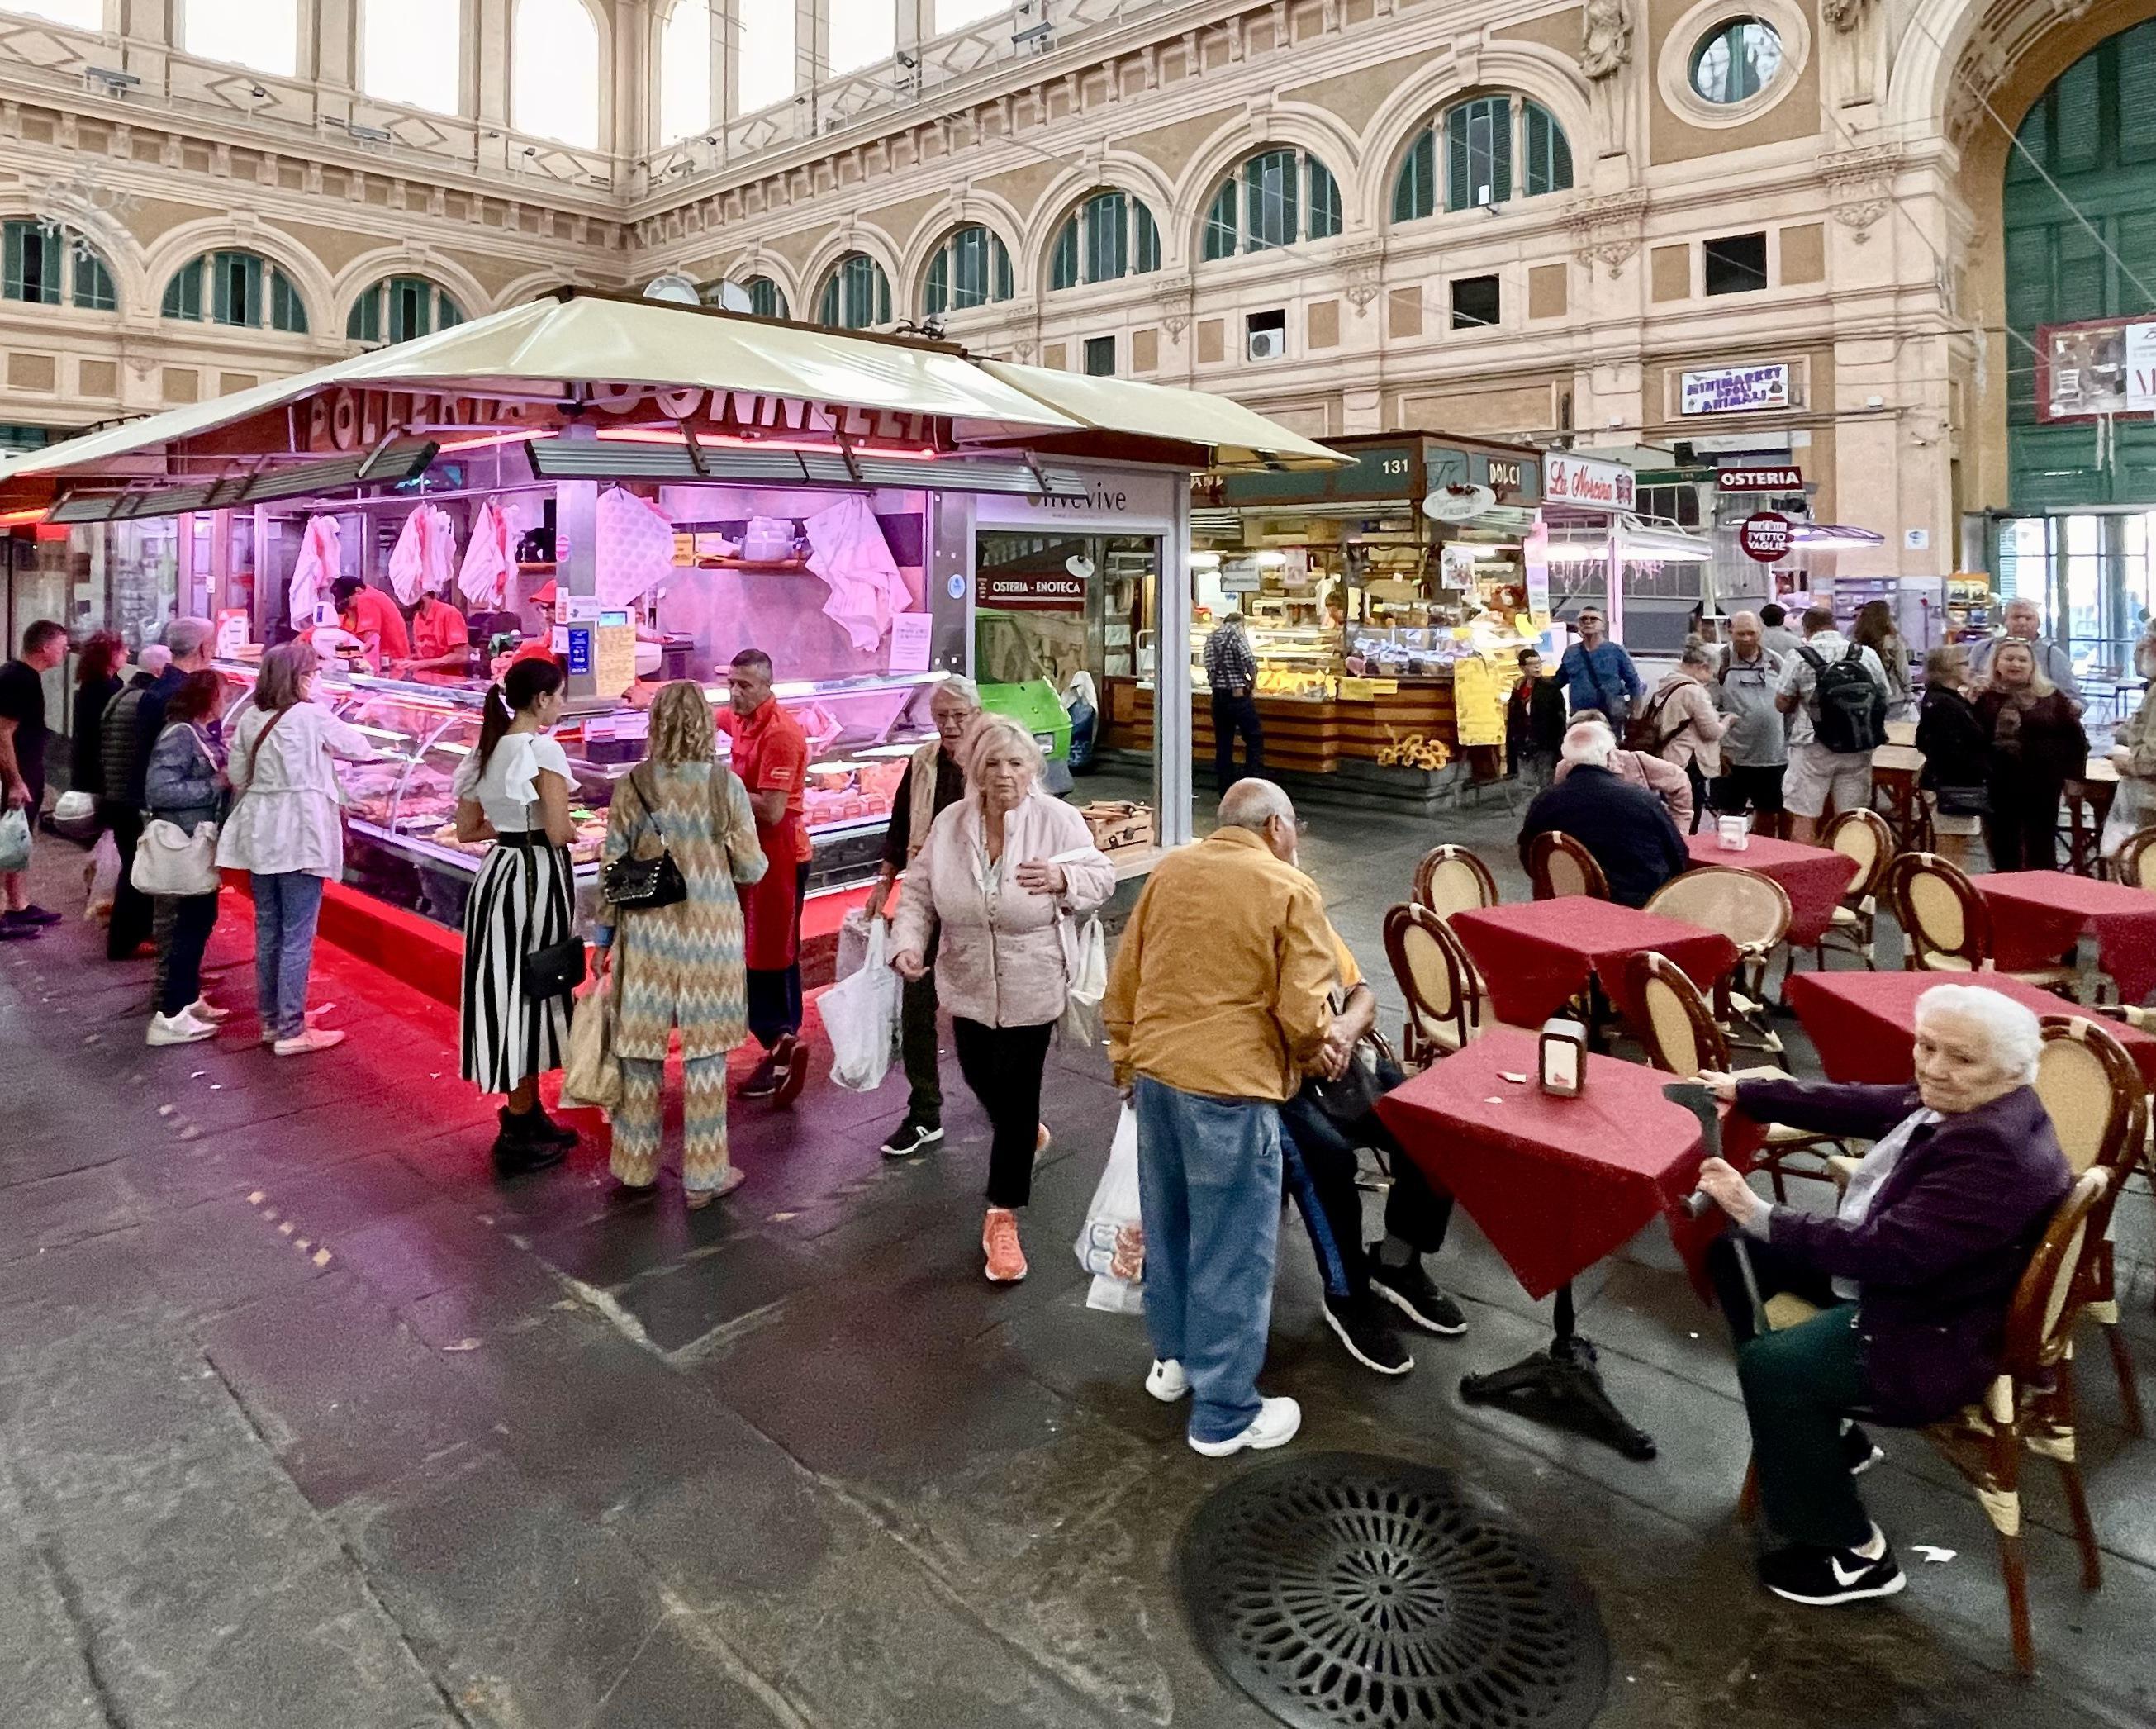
{"x":1852,"y":709}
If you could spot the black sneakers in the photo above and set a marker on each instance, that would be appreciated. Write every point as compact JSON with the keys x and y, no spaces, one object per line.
{"x":1860,"y":1449}
{"x":1824,"y":1577}
{"x":780,"y":1076}
{"x":1360,"y":1324}
{"x":763,"y":1080}
{"x":1408,"y":1289}
{"x":523,"y":1146}
{"x":912,"y":1136}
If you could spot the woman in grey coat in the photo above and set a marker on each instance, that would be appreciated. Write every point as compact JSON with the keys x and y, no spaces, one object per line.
{"x":185,"y":785}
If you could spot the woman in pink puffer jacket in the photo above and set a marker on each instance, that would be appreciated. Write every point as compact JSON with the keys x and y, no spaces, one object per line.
{"x":1002,"y":872}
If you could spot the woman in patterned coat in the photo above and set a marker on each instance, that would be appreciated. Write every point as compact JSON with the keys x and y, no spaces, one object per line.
{"x":681,"y":965}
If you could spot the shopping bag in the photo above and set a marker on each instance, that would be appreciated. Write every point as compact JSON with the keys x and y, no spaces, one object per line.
{"x":590,"y":1075}
{"x":101,"y":877}
{"x":860,"y":1012}
{"x":1085,"y":972}
{"x":1112,"y":1243}
{"x":853,"y":943}
{"x":14,"y":841}
{"x":168,"y":860}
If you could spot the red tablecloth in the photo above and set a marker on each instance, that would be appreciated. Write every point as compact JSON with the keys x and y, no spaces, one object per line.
{"x":1864,"y":1024}
{"x":2036,"y":915}
{"x":1556,"y":1184}
{"x":1814,"y":878}
{"x":1536,"y":955}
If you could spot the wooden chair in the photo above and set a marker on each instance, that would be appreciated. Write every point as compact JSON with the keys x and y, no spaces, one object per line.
{"x":2099,"y":1109}
{"x":1864,"y":836}
{"x":2087,"y":808}
{"x":1451,"y":878}
{"x":2030,"y":1403}
{"x":1894,"y":786}
{"x":1558,"y":865}
{"x":1753,"y":911}
{"x":2135,"y":864}
{"x":1681,"y":1038}
{"x":1447,"y":1003}
{"x":1946,"y":925}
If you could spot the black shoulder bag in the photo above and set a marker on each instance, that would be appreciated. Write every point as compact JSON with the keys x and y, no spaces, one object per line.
{"x":634,"y":885}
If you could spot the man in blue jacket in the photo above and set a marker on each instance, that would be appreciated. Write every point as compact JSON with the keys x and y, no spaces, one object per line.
{"x":1598,"y":673}
{"x":1913,"y":1276}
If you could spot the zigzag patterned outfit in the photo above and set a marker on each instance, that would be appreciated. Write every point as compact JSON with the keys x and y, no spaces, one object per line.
{"x":681,"y":967}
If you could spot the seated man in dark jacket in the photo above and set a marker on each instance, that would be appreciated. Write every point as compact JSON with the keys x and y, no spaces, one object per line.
{"x":1626,"y":827}
{"x":1914,"y":1274}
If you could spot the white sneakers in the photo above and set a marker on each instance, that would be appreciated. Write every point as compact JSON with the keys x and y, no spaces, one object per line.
{"x":306,"y":1043}
{"x":203,"y":1009}
{"x":1274,"y":1426}
{"x":1166,"y":1381}
{"x":181,"y":1028}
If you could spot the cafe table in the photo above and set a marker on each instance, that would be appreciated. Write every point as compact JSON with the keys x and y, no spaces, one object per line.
{"x":1556,"y":1184}
{"x":1814,"y":878}
{"x":1864,"y":1024}
{"x":1536,"y":956}
{"x":2036,"y":915}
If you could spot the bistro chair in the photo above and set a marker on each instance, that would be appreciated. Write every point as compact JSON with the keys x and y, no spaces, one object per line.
{"x":2087,"y":808}
{"x":1679,"y":1033}
{"x":2030,"y":1403}
{"x":1448,"y":1004}
{"x":1946,"y":925}
{"x":2099,"y":1109}
{"x":1894,"y":789}
{"x":1558,"y":865}
{"x":1451,"y":878}
{"x":2135,"y":863}
{"x":1864,"y":836}
{"x":1753,"y":911}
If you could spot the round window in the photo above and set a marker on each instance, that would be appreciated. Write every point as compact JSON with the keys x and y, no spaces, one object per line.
{"x":1736,"y":60}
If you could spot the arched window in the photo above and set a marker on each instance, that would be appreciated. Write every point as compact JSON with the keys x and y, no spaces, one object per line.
{"x":235,"y":288}
{"x":47,"y":264}
{"x":684,"y":71}
{"x":1496,"y":149}
{"x":412,"y":52}
{"x":402,"y":307}
{"x":1110,"y":236}
{"x":970,"y":269}
{"x":1275,"y":198}
{"x":765,"y":53}
{"x":82,"y":14}
{"x":554,"y":72}
{"x":264,"y":34}
{"x":862,"y":33}
{"x":856,"y":295}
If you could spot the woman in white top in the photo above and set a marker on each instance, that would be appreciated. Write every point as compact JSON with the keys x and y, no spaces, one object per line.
{"x":513,"y":789}
{"x":286,"y":831}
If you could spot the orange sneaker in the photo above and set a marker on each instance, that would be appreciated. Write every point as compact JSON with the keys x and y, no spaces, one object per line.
{"x":999,"y":1243}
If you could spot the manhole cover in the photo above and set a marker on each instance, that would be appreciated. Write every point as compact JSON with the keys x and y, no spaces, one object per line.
{"x":1348,"y":1592}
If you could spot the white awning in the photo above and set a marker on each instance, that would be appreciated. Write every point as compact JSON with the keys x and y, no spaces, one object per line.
{"x":1238,"y":437}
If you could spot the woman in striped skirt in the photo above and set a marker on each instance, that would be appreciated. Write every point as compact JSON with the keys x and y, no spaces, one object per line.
{"x":513,"y":789}
{"x":680,"y":968}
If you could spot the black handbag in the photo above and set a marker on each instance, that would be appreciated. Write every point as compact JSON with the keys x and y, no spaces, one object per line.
{"x":1965,"y":801}
{"x":634,"y":885}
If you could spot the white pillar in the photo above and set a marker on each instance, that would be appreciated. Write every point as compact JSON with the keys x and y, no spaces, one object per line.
{"x":1171,"y":682}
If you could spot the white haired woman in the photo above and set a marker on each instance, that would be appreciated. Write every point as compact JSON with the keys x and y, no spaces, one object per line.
{"x":1913,"y":1274}
{"x":1000,"y":871}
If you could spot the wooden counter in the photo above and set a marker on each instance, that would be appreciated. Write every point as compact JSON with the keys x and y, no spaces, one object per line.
{"x":1309,"y":737}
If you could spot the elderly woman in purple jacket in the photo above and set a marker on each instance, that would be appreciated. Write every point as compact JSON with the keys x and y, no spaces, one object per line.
{"x":1913,"y":1273}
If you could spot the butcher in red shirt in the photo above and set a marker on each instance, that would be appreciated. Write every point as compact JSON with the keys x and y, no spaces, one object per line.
{"x":440,"y":638}
{"x":372,"y":616}
{"x":771,"y":755}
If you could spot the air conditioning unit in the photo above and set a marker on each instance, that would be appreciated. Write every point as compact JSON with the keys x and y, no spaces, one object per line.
{"x":1268,"y":345}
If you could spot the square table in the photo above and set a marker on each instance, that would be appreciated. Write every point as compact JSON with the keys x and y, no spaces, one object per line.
{"x":1556,"y":1185}
{"x":1814,"y":878}
{"x":1536,"y":956}
{"x":2036,"y":915}
{"x":1864,"y":1024}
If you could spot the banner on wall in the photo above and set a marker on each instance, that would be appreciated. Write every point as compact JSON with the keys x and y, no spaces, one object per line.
{"x":2096,"y":367}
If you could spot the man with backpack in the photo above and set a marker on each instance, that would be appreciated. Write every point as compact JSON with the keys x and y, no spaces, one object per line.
{"x":1836,"y":689}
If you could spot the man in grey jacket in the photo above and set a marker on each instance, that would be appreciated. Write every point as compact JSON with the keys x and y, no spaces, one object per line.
{"x":1755,"y":750}
{"x":2025,"y":623}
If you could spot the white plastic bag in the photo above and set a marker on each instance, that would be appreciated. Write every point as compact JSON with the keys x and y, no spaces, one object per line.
{"x":860,"y":1012}
{"x":1085,"y":974}
{"x":101,"y":877}
{"x":853,"y":943}
{"x":1112,"y":1243}
{"x":14,"y":841}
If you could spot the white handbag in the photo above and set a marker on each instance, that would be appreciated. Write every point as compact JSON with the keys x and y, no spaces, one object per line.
{"x":168,"y":860}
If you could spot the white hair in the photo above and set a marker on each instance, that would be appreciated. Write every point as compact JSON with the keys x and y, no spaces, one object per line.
{"x":991,"y":733}
{"x":2014,"y":1034}
{"x":1588,"y":743}
{"x":1251,"y":804}
{"x":186,"y":636}
{"x":154,"y":659}
{"x":959,"y":685}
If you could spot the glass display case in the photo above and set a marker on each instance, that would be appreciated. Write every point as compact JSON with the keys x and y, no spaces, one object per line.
{"x":1294,"y":661}
{"x":401,"y":810}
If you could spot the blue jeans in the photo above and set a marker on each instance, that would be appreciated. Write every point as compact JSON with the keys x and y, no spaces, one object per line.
{"x":1209,"y":1191}
{"x":286,"y":905}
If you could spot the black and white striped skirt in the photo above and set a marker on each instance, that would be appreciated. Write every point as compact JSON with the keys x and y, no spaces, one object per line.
{"x":524,"y":900}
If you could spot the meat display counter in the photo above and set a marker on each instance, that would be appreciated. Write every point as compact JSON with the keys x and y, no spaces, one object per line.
{"x":400,"y":810}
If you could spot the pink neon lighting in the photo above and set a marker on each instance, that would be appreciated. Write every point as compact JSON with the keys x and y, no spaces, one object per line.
{"x":515,"y":438}
{"x":651,"y":435}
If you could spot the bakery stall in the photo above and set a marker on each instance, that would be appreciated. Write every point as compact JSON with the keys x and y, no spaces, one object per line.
{"x":640,"y":490}
{"x":1373,"y":592}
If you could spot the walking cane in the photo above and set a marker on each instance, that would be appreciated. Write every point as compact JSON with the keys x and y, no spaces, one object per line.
{"x":1699,"y":1101}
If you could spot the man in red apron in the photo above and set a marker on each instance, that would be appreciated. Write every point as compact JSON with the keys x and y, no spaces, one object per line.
{"x":771,"y":755}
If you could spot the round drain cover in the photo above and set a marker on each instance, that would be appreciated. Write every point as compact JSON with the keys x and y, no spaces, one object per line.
{"x":1348,"y":1592}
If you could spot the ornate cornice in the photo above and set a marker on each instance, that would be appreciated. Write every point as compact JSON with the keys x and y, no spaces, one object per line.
{"x":1606,"y":230}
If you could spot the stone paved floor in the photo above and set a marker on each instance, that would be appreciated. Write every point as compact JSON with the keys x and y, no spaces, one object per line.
{"x":305,"y":1420}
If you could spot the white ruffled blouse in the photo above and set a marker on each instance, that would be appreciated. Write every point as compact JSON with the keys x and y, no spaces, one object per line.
{"x":509,"y":791}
